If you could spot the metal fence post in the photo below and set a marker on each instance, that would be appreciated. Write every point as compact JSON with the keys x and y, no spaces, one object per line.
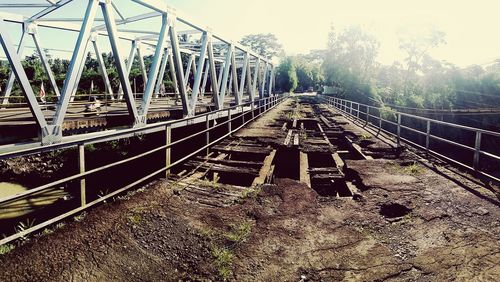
{"x":81,"y":166}
{"x":379,"y":121}
{"x":477,"y":151}
{"x":253,"y":111}
{"x":229,"y":126}
{"x":242,"y":115}
{"x":168,"y":150}
{"x":367,"y":115}
{"x":427,"y":136}
{"x":399,"y":130}
{"x":350,"y":108}
{"x":357,"y":110}
{"x":207,"y":134}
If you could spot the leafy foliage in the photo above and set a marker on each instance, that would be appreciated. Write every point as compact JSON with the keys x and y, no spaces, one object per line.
{"x":286,"y":75}
{"x":266,"y":45}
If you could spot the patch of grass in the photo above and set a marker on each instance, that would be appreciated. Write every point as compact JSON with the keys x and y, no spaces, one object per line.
{"x":239,"y":232}
{"x":365,"y":137}
{"x":6,"y":248}
{"x":47,"y":231}
{"x":206,"y":232}
{"x":250,"y":193}
{"x":411,"y":169}
{"x":223,"y":261}
{"x":414,"y":169}
{"x":134,"y":217}
{"x":80,"y":217}
{"x":214,"y":183}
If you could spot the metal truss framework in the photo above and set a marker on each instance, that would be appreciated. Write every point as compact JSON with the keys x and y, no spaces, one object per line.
{"x":233,"y":69}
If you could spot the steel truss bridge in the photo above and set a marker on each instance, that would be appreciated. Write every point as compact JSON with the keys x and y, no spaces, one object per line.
{"x":233,"y":74}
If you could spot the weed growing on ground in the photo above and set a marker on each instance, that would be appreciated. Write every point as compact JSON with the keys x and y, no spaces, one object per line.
{"x":414,"y":169}
{"x":239,"y":232}
{"x":250,"y":193}
{"x":411,"y":169}
{"x":80,"y":217}
{"x":206,"y":232}
{"x":365,"y":137}
{"x":47,"y":231}
{"x":23,"y":226}
{"x":134,"y":217}
{"x":223,"y":261}
{"x":6,"y":248}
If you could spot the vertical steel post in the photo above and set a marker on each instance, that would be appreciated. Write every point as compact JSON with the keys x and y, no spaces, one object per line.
{"x":81,"y":167}
{"x":213,"y":71}
{"x":102,"y":67}
{"x":207,"y":134}
{"x":141,"y":63}
{"x":379,"y":121}
{"x":243,"y":114}
{"x":187,"y":72}
{"x":477,"y":151}
{"x":229,"y":121}
{"x":225,"y":77}
{"x":399,"y":130}
{"x":367,"y":115}
{"x":253,"y":110}
{"x":243,"y":75}
{"x":128,"y":65}
{"x":168,"y":150}
{"x":161,"y":75}
{"x":173,"y":76}
{"x":357,"y":110}
{"x":427,"y":136}
{"x":198,"y":75}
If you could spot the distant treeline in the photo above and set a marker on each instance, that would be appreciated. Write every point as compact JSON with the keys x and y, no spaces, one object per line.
{"x":419,"y":82}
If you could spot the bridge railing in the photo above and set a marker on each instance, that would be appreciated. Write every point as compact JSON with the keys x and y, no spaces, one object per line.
{"x":233,"y":119}
{"x":480,"y":155}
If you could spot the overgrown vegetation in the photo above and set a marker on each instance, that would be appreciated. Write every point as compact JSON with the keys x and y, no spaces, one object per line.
{"x":412,"y":168}
{"x":223,"y":258}
{"x":6,"y":248}
{"x":239,"y":232}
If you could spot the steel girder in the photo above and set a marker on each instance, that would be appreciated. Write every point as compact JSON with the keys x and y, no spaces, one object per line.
{"x":231,"y":69}
{"x":102,"y":67}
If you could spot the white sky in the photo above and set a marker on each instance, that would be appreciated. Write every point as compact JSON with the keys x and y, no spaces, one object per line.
{"x":472,"y":27}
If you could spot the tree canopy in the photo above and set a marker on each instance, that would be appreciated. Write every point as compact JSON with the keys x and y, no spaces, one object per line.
{"x":266,"y":45}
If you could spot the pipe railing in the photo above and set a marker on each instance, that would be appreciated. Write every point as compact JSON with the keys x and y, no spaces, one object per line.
{"x":370,"y":115}
{"x":241,"y":114}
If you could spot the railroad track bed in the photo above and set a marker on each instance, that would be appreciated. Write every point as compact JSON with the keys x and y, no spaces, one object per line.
{"x":297,"y":194}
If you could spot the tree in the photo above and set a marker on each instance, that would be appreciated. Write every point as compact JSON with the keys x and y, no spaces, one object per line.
{"x":286,"y":75}
{"x":416,"y":45}
{"x":266,"y":45}
{"x":308,"y":71}
{"x":349,"y":63}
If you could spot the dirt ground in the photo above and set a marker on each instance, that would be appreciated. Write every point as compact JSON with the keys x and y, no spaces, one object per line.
{"x":409,"y":221}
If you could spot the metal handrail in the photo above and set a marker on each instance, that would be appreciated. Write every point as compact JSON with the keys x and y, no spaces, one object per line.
{"x":264,"y":105}
{"x":348,"y":107}
{"x":17,"y":150}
